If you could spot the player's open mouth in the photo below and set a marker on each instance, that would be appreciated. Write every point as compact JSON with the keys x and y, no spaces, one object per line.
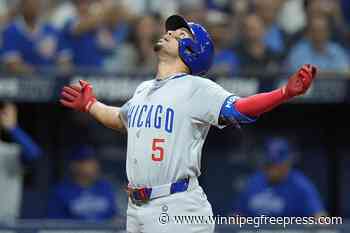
{"x":162,"y":40}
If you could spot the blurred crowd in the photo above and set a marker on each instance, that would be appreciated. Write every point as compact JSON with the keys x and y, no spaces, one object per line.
{"x":251,"y":36}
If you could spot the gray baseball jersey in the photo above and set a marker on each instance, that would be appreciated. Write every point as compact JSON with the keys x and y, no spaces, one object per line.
{"x":167,"y":123}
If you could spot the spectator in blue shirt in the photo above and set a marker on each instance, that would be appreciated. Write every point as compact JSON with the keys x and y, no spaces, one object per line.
{"x":316,"y":48}
{"x":279,"y":190}
{"x":332,"y":10}
{"x":83,"y":195}
{"x":225,"y":60}
{"x":22,"y":149}
{"x":117,"y":28}
{"x":28,"y":44}
{"x":255,"y":57}
{"x":85,"y":39}
{"x":267,"y":10}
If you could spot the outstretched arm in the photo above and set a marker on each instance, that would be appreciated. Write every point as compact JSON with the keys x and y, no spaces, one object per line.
{"x":8,"y":120}
{"x":82,"y":98}
{"x":107,"y":115}
{"x":297,"y":85}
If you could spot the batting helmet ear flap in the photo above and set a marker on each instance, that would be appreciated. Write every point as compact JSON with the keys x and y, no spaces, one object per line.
{"x":189,"y":47}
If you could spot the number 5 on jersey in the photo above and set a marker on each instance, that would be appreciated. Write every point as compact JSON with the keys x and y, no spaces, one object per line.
{"x":158,"y":149}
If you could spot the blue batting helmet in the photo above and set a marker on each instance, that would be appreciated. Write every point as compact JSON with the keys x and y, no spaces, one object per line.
{"x":82,"y":152}
{"x":277,"y":151}
{"x":196,"y":53}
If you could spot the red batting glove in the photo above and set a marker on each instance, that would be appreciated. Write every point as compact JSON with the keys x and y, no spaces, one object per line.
{"x":79,"y":98}
{"x":300,"y":82}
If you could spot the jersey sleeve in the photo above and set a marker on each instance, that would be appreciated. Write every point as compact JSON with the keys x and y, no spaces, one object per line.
{"x":206,"y":102}
{"x":125,"y":107}
{"x":229,"y":115}
{"x":124,"y":113}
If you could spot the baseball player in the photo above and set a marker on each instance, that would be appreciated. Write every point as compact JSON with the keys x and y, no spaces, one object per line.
{"x":278,"y":189}
{"x":167,"y":121}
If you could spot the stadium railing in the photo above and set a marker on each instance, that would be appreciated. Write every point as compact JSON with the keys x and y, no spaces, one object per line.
{"x":331,"y":88}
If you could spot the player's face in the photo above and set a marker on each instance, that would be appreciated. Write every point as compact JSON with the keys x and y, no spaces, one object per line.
{"x":277,"y":172}
{"x":169,"y":44}
{"x":86,"y":169}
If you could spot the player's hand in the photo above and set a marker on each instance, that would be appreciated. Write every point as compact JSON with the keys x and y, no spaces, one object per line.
{"x":300,"y":82}
{"x":78,"y":97}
